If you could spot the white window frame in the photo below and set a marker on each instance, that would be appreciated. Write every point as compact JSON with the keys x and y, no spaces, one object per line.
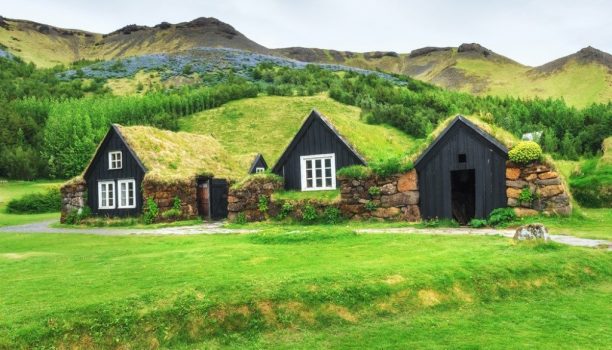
{"x":322,"y":157}
{"x":120,"y":195}
{"x":117,"y":163}
{"x":259,"y":170}
{"x":107,"y":206}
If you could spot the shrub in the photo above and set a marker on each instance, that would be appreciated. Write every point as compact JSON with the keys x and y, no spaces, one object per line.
{"x":478,"y":223}
{"x":501,"y":216}
{"x":332,"y":215}
{"x":240,"y":219}
{"x":171,"y":214}
{"x":370,"y":205}
{"x":526,"y":196}
{"x":309,"y":214}
{"x":262,"y":204}
{"x":390,"y":166}
{"x":151,"y":211}
{"x":286,"y":209}
{"x":77,"y":216}
{"x":525,"y":152}
{"x":592,"y":185}
{"x":374,"y":191}
{"x":358,"y":172}
{"x":46,"y":202}
{"x":176,"y":203}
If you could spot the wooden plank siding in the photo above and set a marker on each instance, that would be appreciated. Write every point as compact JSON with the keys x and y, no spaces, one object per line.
{"x":435,"y":166}
{"x":99,"y":171}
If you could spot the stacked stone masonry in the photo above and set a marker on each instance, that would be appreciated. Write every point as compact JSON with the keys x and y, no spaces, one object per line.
{"x":549,"y":194}
{"x":394,"y":198}
{"x":73,"y":197}
{"x":246,"y":199}
{"x":164,"y":193}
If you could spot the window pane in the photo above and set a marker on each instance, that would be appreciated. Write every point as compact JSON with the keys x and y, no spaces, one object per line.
{"x":328,"y":172}
{"x":318,"y":163}
{"x":309,"y":183}
{"x":309,"y":164}
{"x":327,"y":162}
{"x":328,"y":182}
{"x":318,"y":173}
{"x":309,"y":174}
{"x":131,"y":193}
{"x":319,"y":182}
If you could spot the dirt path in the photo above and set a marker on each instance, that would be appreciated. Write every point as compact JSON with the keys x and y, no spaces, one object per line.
{"x":217,"y":228}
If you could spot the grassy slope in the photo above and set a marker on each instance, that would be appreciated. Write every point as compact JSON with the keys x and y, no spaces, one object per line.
{"x":142,"y":290}
{"x":16,"y":189}
{"x":267,"y":124}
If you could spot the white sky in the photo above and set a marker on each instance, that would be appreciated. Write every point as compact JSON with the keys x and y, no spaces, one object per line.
{"x":529,"y":31}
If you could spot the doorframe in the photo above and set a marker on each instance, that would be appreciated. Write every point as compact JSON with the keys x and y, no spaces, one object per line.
{"x":199,"y":181}
{"x":450,"y":175}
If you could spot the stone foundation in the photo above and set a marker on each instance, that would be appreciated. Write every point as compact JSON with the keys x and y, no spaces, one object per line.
{"x":395,"y":198}
{"x":245,"y":199}
{"x":74,"y":195}
{"x":549,"y":192}
{"x":164,"y":193}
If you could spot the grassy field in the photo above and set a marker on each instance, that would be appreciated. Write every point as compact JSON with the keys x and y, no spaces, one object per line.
{"x":16,"y":189}
{"x":299,"y":287}
{"x":284,"y":116}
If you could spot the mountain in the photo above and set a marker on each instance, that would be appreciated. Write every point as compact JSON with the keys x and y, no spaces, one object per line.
{"x":580,"y":78}
{"x":47,"y":46}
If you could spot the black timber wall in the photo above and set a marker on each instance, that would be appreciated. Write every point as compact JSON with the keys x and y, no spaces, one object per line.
{"x":99,"y":171}
{"x":317,"y":138}
{"x":435,"y":168}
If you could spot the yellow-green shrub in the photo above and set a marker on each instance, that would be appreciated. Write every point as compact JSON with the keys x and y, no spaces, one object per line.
{"x":525,"y":152}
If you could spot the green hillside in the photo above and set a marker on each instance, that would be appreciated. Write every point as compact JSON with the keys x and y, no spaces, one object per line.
{"x":267,"y":124}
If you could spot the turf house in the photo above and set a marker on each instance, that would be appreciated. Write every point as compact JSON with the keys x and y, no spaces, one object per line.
{"x":461,"y":171}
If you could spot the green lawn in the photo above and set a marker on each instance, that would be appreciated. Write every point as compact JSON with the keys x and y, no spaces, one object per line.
{"x":297,"y":286}
{"x":16,"y":189}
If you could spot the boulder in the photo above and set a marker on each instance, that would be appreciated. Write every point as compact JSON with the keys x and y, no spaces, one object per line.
{"x":513,"y":202}
{"x":548,"y":175}
{"x":513,"y":192}
{"x":408,"y":182}
{"x":549,"y":191}
{"x":531,"y":177}
{"x":386,"y":212}
{"x":523,"y":212}
{"x":532,"y":231}
{"x":513,"y":173}
{"x":400,"y":199}
{"x":411,"y":213}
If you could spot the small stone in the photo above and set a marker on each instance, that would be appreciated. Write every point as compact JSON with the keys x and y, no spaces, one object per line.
{"x":400,"y":199}
{"x":232,"y":199}
{"x":548,"y":182}
{"x":531,"y":231}
{"x":388,"y":189}
{"x":516,"y":183}
{"x":513,"y":173}
{"x":386,"y":212}
{"x":549,"y":191}
{"x":548,"y":175}
{"x":531,"y":177}
{"x":513,"y":192}
{"x":513,"y":202}
{"x":411,"y":213}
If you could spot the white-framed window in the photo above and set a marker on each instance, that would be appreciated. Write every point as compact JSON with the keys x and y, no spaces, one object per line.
{"x":259,"y":170}
{"x":106,"y":194}
{"x":126,"y":194}
{"x":318,"y":172}
{"x":115,"y":160}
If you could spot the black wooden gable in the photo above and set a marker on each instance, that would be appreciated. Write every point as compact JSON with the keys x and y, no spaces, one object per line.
{"x":113,"y":134}
{"x":316,"y":136}
{"x":258,"y":162}
{"x":460,"y":122}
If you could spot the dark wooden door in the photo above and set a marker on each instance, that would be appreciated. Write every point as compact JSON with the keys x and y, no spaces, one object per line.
{"x":203,"y":199}
{"x":218,"y":199}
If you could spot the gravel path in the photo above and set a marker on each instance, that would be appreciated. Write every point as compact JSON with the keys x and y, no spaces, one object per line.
{"x":217,"y":228}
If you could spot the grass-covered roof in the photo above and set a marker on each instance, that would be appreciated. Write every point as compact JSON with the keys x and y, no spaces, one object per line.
{"x":267,"y":124}
{"x":171,"y":155}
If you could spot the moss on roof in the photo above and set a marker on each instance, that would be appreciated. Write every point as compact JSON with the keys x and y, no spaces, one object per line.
{"x":267,"y":124}
{"x":171,"y":156}
{"x":607,"y":151}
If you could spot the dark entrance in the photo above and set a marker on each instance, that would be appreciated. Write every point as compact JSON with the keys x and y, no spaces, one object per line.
{"x":212,"y":198}
{"x":463,"y":195}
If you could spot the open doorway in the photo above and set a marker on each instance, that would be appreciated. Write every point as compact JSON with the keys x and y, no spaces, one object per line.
{"x":463,"y":195}
{"x":212,"y":198}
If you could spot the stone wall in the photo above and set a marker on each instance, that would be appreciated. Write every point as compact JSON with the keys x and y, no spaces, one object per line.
{"x":74,"y":195}
{"x":396,"y":199}
{"x":549,"y":192}
{"x":164,"y":193}
{"x":245,"y":198}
